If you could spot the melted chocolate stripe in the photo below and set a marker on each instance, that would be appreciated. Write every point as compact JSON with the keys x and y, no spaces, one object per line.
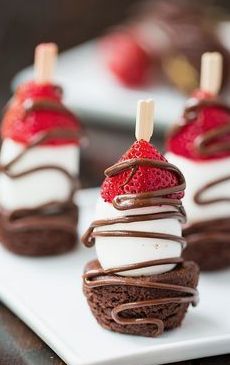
{"x":201,"y":201}
{"x":59,"y":215}
{"x":117,"y":233}
{"x":40,"y":138}
{"x":210,"y":231}
{"x":88,"y":238}
{"x":137,"y":162}
{"x":142,"y":200}
{"x":31,"y":105}
{"x":206,"y":144}
{"x":202,"y":142}
{"x":36,"y":169}
{"x":194,"y":105}
{"x":147,"y":303}
{"x":91,"y":274}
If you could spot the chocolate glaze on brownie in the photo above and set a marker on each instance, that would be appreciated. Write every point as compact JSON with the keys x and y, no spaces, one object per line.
{"x":144,"y":305}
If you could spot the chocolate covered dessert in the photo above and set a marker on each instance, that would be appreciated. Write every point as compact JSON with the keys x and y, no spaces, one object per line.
{"x":200,"y":146}
{"x":140,"y":284}
{"x":39,"y":166}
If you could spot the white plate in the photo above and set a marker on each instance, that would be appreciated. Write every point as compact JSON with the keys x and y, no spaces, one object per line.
{"x":46,"y":293}
{"x":92,"y":92}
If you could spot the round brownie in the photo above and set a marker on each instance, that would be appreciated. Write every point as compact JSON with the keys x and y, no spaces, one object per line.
{"x":104,"y":299}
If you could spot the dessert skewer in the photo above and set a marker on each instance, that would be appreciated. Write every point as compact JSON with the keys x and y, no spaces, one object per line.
{"x":200,"y":146}
{"x":39,"y":165}
{"x":137,"y":234}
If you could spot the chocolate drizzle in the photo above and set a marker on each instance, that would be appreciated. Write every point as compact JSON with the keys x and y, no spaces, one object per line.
{"x":213,"y":230}
{"x":140,"y":200}
{"x":31,"y":105}
{"x":195,"y":105}
{"x":62,"y":215}
{"x":101,"y":277}
{"x":210,"y":143}
{"x":202,"y":201}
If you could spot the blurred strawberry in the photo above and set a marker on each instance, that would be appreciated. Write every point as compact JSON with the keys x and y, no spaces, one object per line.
{"x":126,"y":59}
{"x":23,"y":127}
{"x":183,"y":141}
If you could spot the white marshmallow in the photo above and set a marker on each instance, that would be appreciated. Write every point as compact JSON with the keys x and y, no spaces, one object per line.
{"x":40,"y":187}
{"x":118,"y":251}
{"x":197,"y":174}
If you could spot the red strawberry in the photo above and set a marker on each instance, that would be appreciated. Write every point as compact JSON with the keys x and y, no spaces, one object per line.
{"x":146,"y":179}
{"x":32,"y":90}
{"x":183,"y":141}
{"x":126,"y":59}
{"x":23,"y":128}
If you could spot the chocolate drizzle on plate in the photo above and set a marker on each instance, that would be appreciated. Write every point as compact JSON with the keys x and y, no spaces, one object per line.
{"x":55,"y":214}
{"x":162,"y":197}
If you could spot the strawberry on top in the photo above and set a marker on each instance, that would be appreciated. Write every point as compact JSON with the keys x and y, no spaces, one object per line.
{"x":207,"y":121}
{"x":22,"y":127}
{"x":145,"y":179}
{"x":183,"y":141}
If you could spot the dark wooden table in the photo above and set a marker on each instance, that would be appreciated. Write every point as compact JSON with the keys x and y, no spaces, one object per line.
{"x":18,"y":344}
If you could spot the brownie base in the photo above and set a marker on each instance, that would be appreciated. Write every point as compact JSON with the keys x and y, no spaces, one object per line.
{"x":103,"y":299}
{"x":209,"y":255}
{"x":40,"y":241}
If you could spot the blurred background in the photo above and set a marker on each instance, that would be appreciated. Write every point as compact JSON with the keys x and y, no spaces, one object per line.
{"x":120,"y":51}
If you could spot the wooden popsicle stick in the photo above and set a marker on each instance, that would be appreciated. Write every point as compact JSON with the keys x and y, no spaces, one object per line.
{"x":211,"y":72}
{"x":144,"y":120}
{"x":44,"y":61}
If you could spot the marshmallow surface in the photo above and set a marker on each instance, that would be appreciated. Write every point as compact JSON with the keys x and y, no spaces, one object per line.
{"x":38,"y":187}
{"x":197,"y":174}
{"x":117,"y":251}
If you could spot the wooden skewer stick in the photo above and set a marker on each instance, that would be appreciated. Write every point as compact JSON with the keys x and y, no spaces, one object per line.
{"x":211,"y":72}
{"x":144,"y":120}
{"x":44,"y":61}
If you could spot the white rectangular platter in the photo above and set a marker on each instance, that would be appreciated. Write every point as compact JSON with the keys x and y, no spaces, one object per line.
{"x":46,"y":293}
